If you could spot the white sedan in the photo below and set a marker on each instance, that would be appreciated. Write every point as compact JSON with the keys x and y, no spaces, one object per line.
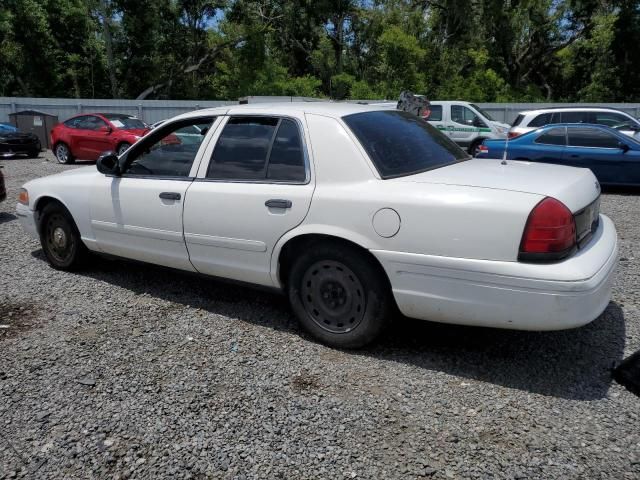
{"x":352,"y":210}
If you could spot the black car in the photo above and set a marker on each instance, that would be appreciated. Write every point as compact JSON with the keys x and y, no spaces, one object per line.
{"x":17,"y":143}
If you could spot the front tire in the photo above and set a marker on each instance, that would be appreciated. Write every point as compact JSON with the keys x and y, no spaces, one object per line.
{"x":33,"y":154}
{"x":123,"y":147}
{"x":341,"y":297}
{"x":60,"y":238}
{"x":63,"y":154}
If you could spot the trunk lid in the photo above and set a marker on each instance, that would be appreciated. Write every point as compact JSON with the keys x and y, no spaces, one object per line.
{"x":575,"y":187}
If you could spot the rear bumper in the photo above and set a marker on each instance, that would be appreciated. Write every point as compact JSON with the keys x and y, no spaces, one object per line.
{"x":27,"y":219}
{"x":510,"y":295}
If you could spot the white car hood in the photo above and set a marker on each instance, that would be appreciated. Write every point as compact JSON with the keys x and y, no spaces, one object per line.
{"x":575,"y":187}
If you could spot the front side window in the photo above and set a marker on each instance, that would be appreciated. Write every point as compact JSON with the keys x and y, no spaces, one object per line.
{"x":592,"y":137}
{"x":259,"y":148}
{"x":163,"y":153}
{"x":125,"y":122}
{"x":400,"y":143}
{"x":435,"y":114}
{"x":555,"y":136}
{"x":614,"y":120}
{"x":465,"y":116}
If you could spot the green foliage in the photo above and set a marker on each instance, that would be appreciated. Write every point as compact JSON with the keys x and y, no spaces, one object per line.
{"x":480,"y":50}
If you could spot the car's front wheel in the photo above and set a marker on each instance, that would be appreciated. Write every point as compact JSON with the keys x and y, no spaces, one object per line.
{"x":60,"y":238}
{"x":123,"y":147}
{"x":63,"y":153}
{"x":340,"y":295}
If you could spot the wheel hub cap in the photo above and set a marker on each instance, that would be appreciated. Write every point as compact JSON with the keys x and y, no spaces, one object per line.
{"x":59,"y":238}
{"x":333,"y":296}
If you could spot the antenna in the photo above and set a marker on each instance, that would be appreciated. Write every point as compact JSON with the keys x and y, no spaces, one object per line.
{"x":506,"y":147}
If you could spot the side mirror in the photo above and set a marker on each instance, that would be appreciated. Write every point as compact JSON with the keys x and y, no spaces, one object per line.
{"x":623,"y":146}
{"x":108,"y":164}
{"x":105,"y":129}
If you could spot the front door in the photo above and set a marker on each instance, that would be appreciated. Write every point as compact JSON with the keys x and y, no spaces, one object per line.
{"x":256,"y":187}
{"x":139,"y":214}
{"x":95,"y":139}
{"x":466,"y":125}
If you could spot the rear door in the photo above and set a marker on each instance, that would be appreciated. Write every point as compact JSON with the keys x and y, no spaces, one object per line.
{"x":256,"y":186}
{"x":596,"y":149}
{"x":436,"y":117}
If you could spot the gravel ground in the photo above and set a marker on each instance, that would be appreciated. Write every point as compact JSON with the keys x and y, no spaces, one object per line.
{"x":130,"y":371}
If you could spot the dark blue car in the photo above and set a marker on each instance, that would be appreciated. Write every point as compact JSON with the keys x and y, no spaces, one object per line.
{"x":613,"y":157}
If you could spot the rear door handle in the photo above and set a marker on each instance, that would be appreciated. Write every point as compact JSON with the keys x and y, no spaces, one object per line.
{"x":278,"y":203}
{"x":170,"y":196}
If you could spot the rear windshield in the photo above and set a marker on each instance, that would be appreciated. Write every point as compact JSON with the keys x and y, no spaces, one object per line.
{"x":400,"y":143}
{"x":125,"y":123}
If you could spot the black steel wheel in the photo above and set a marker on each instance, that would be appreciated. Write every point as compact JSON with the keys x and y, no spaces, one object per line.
{"x":60,"y":238}
{"x":340,"y":294}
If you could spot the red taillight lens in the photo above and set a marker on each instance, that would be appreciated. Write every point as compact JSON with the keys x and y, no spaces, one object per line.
{"x":483,"y":148}
{"x":550,"y":232}
{"x":513,"y":134}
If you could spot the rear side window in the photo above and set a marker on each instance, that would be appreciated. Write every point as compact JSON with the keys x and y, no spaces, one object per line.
{"x":613,"y":120}
{"x":555,"y":136}
{"x":541,"y":120}
{"x":517,"y":121}
{"x":400,"y":143}
{"x":592,"y":137}
{"x":76,"y":121}
{"x":435,"y":114}
{"x":258,"y":148}
{"x":574,"y":117}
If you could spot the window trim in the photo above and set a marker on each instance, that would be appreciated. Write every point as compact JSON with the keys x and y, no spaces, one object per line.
{"x":159,"y":131}
{"x":204,"y":166}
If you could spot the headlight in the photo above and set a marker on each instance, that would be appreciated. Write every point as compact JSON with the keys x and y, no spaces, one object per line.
{"x":3,"y":139}
{"x":23,"y":197}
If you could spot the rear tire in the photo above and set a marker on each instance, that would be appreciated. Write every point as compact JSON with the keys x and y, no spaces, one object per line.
{"x":341,"y":297}
{"x":60,"y":238}
{"x":63,"y":154}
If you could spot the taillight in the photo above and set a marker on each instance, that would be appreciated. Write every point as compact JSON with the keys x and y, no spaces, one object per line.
{"x":512,"y":134}
{"x":483,"y":149}
{"x":550,"y":232}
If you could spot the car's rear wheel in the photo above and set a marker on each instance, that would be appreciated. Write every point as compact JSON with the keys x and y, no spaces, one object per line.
{"x":60,"y":238}
{"x":474,"y":149}
{"x":33,"y":154}
{"x":123,"y":148}
{"x":63,"y":153}
{"x":340,"y":295}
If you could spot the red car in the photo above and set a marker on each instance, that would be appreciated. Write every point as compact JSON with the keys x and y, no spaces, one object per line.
{"x":88,"y":135}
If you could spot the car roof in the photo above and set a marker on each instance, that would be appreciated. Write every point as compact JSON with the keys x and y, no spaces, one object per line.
{"x":570,"y":109}
{"x":329,"y":109}
{"x":116,"y":115}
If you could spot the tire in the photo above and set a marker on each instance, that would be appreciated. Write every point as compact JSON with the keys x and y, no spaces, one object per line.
{"x":474,"y":148}
{"x":33,"y":154}
{"x":60,"y":238}
{"x":123,"y":148}
{"x":341,"y":297}
{"x":63,"y":154}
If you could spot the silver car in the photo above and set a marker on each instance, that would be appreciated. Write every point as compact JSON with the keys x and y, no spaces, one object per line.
{"x":534,"y":119}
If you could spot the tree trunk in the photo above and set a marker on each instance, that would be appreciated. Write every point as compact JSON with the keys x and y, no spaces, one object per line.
{"x":108,"y":40}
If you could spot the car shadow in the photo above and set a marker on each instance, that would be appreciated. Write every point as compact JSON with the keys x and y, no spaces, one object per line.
{"x":574,"y":364}
{"x":627,"y":190}
{"x":7,"y":217}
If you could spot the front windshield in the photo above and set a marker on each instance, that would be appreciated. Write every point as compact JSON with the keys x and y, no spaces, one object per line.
{"x":483,"y":112}
{"x":400,"y":143}
{"x":122,"y":122}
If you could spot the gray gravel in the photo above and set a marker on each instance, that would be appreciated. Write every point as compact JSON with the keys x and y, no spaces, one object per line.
{"x":130,"y":371}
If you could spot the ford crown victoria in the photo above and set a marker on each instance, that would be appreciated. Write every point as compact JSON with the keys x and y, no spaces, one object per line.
{"x":353,"y":211}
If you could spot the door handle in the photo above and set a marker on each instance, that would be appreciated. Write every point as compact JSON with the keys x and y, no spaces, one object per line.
{"x":170,"y":196}
{"x":575,"y":156}
{"x":278,"y":203}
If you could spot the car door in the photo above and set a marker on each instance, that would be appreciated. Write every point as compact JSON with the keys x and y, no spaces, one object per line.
{"x":435,"y":117}
{"x":466,"y":125}
{"x":255,"y":186}
{"x":139,"y":214}
{"x":77,"y":136}
{"x":596,"y":149}
{"x":549,"y":146}
{"x":96,"y":138}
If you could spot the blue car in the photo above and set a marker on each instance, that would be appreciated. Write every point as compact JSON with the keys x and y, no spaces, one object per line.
{"x":613,"y":157}
{"x":5,"y":127}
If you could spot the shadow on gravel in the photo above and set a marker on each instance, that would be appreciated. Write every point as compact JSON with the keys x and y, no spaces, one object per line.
{"x":573,"y":364}
{"x":621,"y":190}
{"x":6,"y":217}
